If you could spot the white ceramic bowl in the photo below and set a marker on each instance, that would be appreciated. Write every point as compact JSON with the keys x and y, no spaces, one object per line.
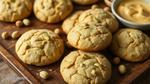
{"x":125,"y":22}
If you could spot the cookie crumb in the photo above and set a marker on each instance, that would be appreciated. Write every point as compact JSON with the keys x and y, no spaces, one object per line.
{"x":122,"y":69}
{"x":19,"y":23}
{"x":116,"y":60}
{"x":15,"y":34}
{"x":57,"y":31}
{"x":106,"y":9}
{"x":26,"y":22}
{"x":44,"y":74}
{"x":5,"y":35}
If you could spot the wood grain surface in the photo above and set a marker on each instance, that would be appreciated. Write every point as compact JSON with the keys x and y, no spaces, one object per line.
{"x":31,"y":73}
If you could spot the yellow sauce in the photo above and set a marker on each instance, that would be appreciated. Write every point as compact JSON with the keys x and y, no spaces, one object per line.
{"x":137,"y":11}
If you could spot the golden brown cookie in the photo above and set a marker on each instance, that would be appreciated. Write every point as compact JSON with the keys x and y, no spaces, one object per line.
{"x":89,"y":37}
{"x":80,"y":67}
{"x":101,"y":17}
{"x":71,"y":21}
{"x":39,"y":47}
{"x":13,"y":10}
{"x":52,"y":11}
{"x":131,"y":45}
{"x":85,"y":2}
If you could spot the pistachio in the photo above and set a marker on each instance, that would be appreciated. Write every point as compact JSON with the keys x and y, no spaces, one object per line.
{"x":122,"y":69}
{"x":19,"y":23}
{"x":44,"y":74}
{"x":26,"y":22}
{"x":4,"y":35}
{"x":116,"y":60}
{"x":15,"y":34}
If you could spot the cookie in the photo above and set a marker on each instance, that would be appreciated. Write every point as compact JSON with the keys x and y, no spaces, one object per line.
{"x":89,"y":37}
{"x":13,"y":10}
{"x":80,"y":67}
{"x":52,"y":11}
{"x":39,"y":47}
{"x":85,"y":2}
{"x":131,"y":45}
{"x":101,"y":17}
{"x":71,"y":21}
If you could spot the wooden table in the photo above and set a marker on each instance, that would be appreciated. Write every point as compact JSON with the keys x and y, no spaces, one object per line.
{"x":31,"y":73}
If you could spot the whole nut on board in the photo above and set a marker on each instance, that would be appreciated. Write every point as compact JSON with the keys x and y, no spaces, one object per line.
{"x":19,"y":23}
{"x":15,"y":34}
{"x":44,"y":74}
{"x":4,"y":35}
{"x":26,"y":22}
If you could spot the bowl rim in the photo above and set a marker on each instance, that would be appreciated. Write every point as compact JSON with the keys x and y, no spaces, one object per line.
{"x":113,"y":8}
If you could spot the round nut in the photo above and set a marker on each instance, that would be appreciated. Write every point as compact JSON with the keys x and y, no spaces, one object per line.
{"x":44,"y":74}
{"x":57,"y":31}
{"x":4,"y":35}
{"x":26,"y":22}
{"x":122,"y":69}
{"x":15,"y":35}
{"x":116,"y":60}
{"x":19,"y":23}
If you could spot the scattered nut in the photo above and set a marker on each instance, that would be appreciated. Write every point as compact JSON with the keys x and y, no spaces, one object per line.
{"x":19,"y":23}
{"x":116,"y":60}
{"x":26,"y":22}
{"x":57,"y":31}
{"x":4,"y":35}
{"x":44,"y":74}
{"x":15,"y":35}
{"x":122,"y":69}
{"x":106,"y":9}
{"x":50,"y":69}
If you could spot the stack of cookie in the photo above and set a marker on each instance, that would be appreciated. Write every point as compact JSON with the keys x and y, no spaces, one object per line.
{"x":89,"y":31}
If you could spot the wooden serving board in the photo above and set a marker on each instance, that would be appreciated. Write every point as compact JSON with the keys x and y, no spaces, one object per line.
{"x":31,"y":73}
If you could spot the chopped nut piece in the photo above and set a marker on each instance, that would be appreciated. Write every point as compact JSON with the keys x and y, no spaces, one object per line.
{"x":19,"y":23}
{"x":116,"y":60}
{"x":15,"y":35}
{"x":26,"y":22}
{"x":93,"y":72}
{"x":4,"y":35}
{"x":96,"y":64}
{"x":122,"y":69}
{"x":44,"y":74}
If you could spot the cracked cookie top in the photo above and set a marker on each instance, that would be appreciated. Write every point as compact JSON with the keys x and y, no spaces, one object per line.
{"x":80,"y":67}
{"x":13,"y":10}
{"x":39,"y":47}
{"x":101,"y":17}
{"x":89,"y":37}
{"x":131,"y":45}
{"x":71,"y":21}
{"x":52,"y":11}
{"x":85,"y":2}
